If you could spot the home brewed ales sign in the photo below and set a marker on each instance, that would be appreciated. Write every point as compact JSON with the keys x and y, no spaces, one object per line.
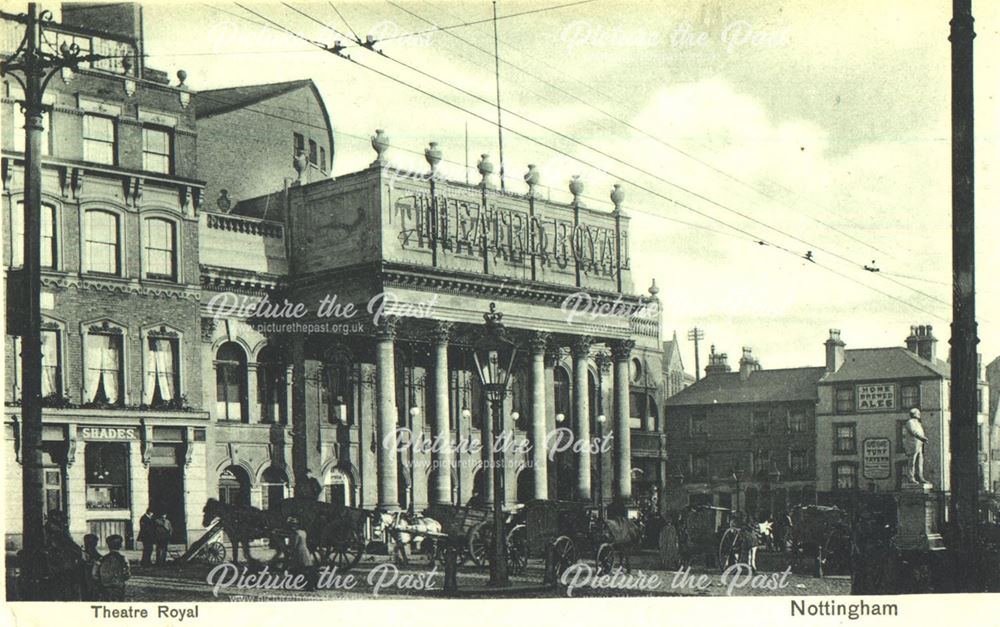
{"x":462,"y":226}
{"x":877,"y":397}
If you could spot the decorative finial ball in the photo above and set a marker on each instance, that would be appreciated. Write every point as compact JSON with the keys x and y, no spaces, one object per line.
{"x":576,"y":185}
{"x":532,"y":176}
{"x":485,"y":166}
{"x":182,"y":76}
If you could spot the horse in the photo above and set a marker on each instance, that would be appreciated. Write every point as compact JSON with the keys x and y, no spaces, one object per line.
{"x":622,"y":535}
{"x":406,"y":530}
{"x":241,"y":524}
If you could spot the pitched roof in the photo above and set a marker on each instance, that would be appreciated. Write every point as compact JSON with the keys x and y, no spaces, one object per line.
{"x":762,"y":386}
{"x":215,"y":101}
{"x":893,"y":362}
{"x":672,"y":354}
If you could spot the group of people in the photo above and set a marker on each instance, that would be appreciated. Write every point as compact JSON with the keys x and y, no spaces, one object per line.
{"x":154,"y":532}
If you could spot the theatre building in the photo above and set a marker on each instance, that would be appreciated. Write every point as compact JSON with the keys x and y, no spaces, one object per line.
{"x":123,"y":428}
{"x":419,"y":260}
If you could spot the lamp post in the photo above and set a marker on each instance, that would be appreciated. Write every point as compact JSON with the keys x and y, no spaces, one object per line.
{"x":494,"y":354}
{"x":601,"y":419}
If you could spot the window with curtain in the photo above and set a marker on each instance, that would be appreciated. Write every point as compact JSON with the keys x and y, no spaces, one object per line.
{"x":48,"y":241}
{"x":161,"y":249}
{"x":99,"y":139}
{"x":231,"y":382}
{"x":103,"y":380}
{"x":846,"y":475}
{"x":162,"y":380}
{"x":51,"y":364}
{"x":101,"y":248}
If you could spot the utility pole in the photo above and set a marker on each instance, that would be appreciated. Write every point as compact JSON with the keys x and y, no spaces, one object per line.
{"x":964,"y":371}
{"x":33,"y":67}
{"x":696,"y":334}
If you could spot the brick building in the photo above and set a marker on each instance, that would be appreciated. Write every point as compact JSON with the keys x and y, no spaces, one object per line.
{"x":743,"y":440}
{"x":123,"y":422}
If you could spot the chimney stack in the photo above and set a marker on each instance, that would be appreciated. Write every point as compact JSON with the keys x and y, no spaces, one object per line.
{"x":717,"y":363}
{"x":748,"y":363}
{"x":922,"y":342}
{"x":834,"y":351}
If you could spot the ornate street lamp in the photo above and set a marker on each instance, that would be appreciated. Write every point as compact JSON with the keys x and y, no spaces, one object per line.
{"x":494,"y":353}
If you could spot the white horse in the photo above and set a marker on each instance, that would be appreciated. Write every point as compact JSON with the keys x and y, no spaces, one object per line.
{"x":409,"y":530}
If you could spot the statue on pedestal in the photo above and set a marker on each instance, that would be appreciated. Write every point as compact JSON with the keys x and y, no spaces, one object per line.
{"x":915,"y":439}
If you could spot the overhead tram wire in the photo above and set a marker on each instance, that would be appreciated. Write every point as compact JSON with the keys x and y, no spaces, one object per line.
{"x":645,"y":133}
{"x":344,"y":20}
{"x":598,"y":151}
{"x":587,"y":163}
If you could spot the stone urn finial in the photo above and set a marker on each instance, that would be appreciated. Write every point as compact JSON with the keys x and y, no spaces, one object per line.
{"x":617,"y":196}
{"x":380,"y":143}
{"x":181,"y":77}
{"x":300,"y":162}
{"x":531,"y":177}
{"x":433,"y":155}
{"x":654,"y":289}
{"x":485,"y":167}
{"x":576,"y":188}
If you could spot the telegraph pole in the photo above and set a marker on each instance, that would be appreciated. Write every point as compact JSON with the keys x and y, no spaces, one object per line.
{"x":33,"y":67}
{"x":696,"y":334}
{"x":964,"y":371}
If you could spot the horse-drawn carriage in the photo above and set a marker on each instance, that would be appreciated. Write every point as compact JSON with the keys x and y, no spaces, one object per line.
{"x":825,"y":533}
{"x":470,"y":526}
{"x":334,"y":533}
{"x":703,"y":531}
{"x":570,"y":530}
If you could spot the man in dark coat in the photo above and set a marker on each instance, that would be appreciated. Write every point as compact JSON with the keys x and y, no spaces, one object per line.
{"x":147,"y":535}
{"x":163,"y":530}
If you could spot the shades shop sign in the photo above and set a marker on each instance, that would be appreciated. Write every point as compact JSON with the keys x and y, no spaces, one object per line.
{"x":877,"y":397}
{"x":108,"y":433}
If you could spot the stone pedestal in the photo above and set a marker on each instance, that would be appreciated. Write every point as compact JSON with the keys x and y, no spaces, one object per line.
{"x":917,"y":523}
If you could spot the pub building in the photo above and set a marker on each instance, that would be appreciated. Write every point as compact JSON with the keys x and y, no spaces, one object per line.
{"x":123,"y":427}
{"x":429,"y":255}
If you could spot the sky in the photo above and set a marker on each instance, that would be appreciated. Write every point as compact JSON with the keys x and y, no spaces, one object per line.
{"x":808,"y":126}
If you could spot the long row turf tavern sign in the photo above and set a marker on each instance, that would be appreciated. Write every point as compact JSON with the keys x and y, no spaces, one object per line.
{"x":464,"y":228}
{"x":876,"y":397}
{"x":876,"y":458}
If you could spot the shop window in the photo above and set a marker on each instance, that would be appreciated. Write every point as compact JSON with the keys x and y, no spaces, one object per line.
{"x":162,"y":372}
{"x":49,"y":248}
{"x":103,"y":381}
{"x":844,"y":400}
{"x":161,"y":249}
{"x":272,"y":386}
{"x":99,"y":139}
{"x":102,"y":252}
{"x":231,"y":382}
{"x":845,"y":476}
{"x":274,"y":486}
{"x":156,"y":149}
{"x":909,"y":396}
{"x":845,"y":438}
{"x":106,"y":470}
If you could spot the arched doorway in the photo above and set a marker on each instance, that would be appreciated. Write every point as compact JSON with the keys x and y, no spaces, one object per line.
{"x":337,"y":487}
{"x":478,"y":488}
{"x":234,"y":486}
{"x":273,"y":487}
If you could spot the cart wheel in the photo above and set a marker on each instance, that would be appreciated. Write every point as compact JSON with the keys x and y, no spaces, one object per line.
{"x":480,"y":541}
{"x":344,"y":552}
{"x":517,"y":550}
{"x":837,"y":553}
{"x":607,"y":558}
{"x":670,"y":548}
{"x":215,"y":553}
{"x":563,"y":555}
{"x":728,"y":548}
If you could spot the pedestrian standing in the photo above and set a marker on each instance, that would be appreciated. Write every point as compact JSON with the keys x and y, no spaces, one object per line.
{"x":300,"y":559}
{"x":112,"y":571}
{"x":91,"y":556}
{"x":147,"y":535}
{"x":162,"y":531}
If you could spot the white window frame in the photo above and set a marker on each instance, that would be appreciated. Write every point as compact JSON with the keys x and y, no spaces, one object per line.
{"x":125,"y":381}
{"x":84,"y":256}
{"x":154,"y":330}
{"x":144,"y":225}
{"x":87,"y":140}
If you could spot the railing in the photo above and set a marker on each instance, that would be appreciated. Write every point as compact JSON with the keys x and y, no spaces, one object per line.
{"x":242,"y":224}
{"x":644,"y":327}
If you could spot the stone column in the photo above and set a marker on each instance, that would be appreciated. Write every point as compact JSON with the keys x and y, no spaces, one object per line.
{"x":539,"y":458}
{"x":254,"y":409}
{"x":441,"y":420}
{"x":581,"y":414}
{"x":385,"y":403}
{"x":620,"y":352}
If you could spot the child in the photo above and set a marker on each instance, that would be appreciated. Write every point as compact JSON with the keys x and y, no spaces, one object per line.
{"x":112,"y":571}
{"x":91,"y":556}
